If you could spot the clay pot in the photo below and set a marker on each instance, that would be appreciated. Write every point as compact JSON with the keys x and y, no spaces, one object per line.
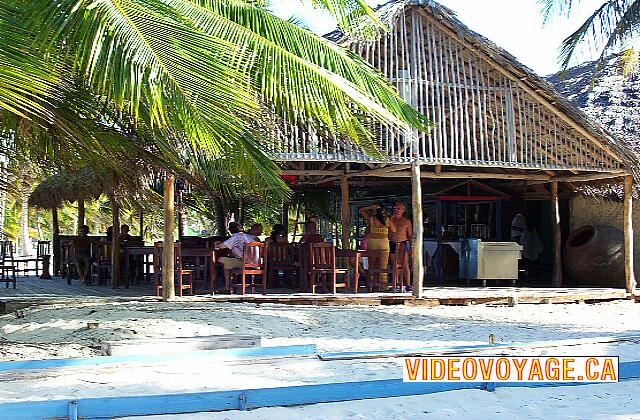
{"x":594,"y":255}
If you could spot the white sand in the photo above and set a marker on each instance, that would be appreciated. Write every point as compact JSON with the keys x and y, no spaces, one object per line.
{"x":61,"y":332}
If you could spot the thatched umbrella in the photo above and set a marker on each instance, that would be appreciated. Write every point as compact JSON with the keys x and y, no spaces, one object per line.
{"x":84,"y":184}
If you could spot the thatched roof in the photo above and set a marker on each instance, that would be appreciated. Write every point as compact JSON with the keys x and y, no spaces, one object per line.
{"x":87,"y":183}
{"x":611,"y":99}
{"x":391,"y":11}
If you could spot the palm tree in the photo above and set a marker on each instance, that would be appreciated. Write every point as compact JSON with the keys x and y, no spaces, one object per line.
{"x":609,"y":27}
{"x":211,"y":70}
{"x":206,"y":81}
{"x":209,"y":79}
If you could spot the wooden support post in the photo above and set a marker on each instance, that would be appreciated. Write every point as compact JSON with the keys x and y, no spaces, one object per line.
{"x":629,"y":275}
{"x":346,"y":232}
{"x":115,"y":242}
{"x":284,"y":217}
{"x":416,"y":209}
{"x":168,"y":257}
{"x":557,"y":236}
{"x":81,"y":212}
{"x":56,"y":241}
{"x":180,"y":224}
{"x":498,"y":215}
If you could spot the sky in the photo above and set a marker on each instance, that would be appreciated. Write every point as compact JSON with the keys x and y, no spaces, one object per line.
{"x":515,"y":25}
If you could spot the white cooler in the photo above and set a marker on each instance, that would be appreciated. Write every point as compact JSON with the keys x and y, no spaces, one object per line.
{"x":489,"y":260}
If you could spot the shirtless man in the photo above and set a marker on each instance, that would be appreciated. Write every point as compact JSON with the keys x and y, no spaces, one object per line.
{"x":403,"y":233}
{"x":404,"y":229}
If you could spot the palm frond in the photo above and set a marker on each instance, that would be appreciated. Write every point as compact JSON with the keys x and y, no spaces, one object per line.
{"x":596,"y":28}
{"x":627,"y":21}
{"x":552,"y":8}
{"x":141,"y":51}
{"x":27,"y":80}
{"x":301,"y":73}
{"x":354,"y":17}
{"x":605,"y":30}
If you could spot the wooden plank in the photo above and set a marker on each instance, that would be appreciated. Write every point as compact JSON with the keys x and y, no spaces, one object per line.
{"x":178,"y":344}
{"x":629,"y":274}
{"x":378,"y":171}
{"x":220,"y":354}
{"x":557,"y":236}
{"x":466,"y":175}
{"x":436,"y":351}
{"x":312,"y":172}
{"x":590,"y":177}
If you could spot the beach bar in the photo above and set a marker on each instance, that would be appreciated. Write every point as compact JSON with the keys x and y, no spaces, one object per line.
{"x":495,"y":122}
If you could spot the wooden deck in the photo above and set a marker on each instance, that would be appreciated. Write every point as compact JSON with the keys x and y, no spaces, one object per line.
{"x":34,"y":291}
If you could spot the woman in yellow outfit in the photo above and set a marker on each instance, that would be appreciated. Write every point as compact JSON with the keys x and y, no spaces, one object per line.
{"x":379,"y":227}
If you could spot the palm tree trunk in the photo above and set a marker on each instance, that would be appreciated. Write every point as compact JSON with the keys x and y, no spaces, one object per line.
{"x":141,"y":217}
{"x":81,"y":212}
{"x":24,"y":218}
{"x":220,"y":220}
{"x":38,"y":227}
{"x":168,"y":257}
{"x":241,"y":211}
{"x":115,"y":242}
{"x":55,"y":228}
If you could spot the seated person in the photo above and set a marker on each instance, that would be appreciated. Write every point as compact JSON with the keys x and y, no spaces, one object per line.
{"x":124,"y":233}
{"x":311,"y":235}
{"x":110,"y":234}
{"x":82,"y":253}
{"x":278,"y":235}
{"x":235,"y":244}
{"x":255,"y":232}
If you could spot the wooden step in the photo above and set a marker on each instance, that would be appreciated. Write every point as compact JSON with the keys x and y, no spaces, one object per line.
{"x":178,"y":344}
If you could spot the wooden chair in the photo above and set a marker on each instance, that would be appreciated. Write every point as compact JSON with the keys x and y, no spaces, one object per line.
{"x":181,"y":276}
{"x":43,"y":248}
{"x":350,"y":260}
{"x":7,"y":264}
{"x":67,"y":267}
{"x":304,"y":260}
{"x":199,"y":261}
{"x":323,"y":270}
{"x":43,"y":251}
{"x":254,"y":263}
{"x":101,"y":265}
{"x":281,"y":258}
{"x":395,"y":270}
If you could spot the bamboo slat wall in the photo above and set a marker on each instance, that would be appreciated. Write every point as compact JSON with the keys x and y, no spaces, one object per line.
{"x":482,"y":117}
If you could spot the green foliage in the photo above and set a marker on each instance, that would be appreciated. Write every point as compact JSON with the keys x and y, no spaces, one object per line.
{"x":612,"y":24}
{"x":195,"y":87}
{"x":26,"y":79}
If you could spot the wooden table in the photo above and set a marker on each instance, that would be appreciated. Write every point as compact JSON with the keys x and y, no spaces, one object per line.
{"x":130,"y":251}
{"x":209,"y":255}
